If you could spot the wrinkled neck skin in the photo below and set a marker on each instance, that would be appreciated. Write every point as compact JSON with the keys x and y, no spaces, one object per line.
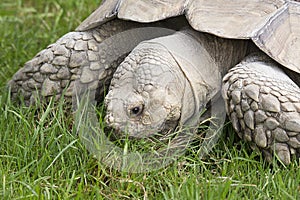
{"x":164,"y":83}
{"x":226,"y":53}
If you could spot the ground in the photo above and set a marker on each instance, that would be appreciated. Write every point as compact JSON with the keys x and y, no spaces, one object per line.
{"x":43,"y":158}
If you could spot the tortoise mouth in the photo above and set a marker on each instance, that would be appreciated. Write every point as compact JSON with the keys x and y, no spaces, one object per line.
{"x":165,"y":133}
{"x":159,"y":143}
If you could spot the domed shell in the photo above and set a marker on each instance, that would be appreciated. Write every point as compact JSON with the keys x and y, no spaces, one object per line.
{"x":273,"y":25}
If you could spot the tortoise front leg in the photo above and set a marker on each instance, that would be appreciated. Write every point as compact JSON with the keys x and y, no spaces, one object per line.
{"x":75,"y":55}
{"x":263,"y":104}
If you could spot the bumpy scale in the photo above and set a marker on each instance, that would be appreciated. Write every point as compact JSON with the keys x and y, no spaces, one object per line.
{"x":263,"y":104}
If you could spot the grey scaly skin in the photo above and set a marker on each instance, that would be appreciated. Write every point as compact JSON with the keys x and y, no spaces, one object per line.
{"x":263,"y":104}
{"x":146,"y":93}
{"x":55,"y":69}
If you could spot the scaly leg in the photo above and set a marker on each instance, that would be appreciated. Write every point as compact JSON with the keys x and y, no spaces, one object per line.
{"x":263,"y":104}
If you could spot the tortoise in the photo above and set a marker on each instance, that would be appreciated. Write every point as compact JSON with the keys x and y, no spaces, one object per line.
{"x":163,"y":61}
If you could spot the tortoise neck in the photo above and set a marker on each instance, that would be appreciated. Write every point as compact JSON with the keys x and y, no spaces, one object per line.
{"x":225,"y":52}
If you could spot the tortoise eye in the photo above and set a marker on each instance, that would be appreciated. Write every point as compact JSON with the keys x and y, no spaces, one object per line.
{"x":137,"y":110}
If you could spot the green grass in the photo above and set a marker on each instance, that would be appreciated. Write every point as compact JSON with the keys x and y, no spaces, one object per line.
{"x":41,"y":157}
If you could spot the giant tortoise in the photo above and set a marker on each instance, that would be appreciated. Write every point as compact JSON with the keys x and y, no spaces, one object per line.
{"x":163,"y":61}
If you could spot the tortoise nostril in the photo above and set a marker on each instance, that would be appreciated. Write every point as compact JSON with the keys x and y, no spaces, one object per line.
{"x":109,"y":119}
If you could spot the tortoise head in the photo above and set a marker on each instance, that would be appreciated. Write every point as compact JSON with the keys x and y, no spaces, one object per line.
{"x":145,"y":95}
